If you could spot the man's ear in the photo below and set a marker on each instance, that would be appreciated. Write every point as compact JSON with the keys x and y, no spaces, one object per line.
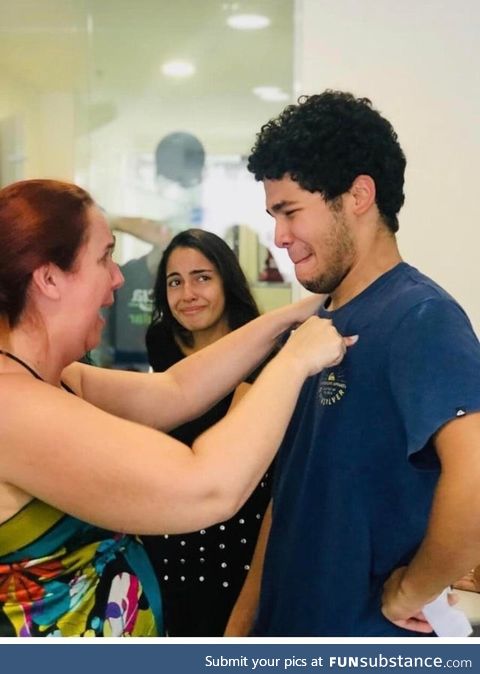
{"x":46,"y":280}
{"x":364,"y":194}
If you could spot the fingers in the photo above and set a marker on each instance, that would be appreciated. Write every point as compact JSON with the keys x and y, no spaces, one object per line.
{"x":453,"y":598}
{"x":345,"y":342}
{"x":350,"y":341}
{"x":465,"y":584}
{"x":415,"y":625}
{"x":318,"y":332}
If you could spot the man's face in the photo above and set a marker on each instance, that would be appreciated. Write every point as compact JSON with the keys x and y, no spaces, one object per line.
{"x":315,"y":233}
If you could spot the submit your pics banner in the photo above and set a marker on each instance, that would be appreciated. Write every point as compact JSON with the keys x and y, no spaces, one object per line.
{"x":168,"y":656}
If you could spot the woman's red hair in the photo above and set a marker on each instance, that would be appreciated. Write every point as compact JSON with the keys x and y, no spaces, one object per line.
{"x":41,"y":221}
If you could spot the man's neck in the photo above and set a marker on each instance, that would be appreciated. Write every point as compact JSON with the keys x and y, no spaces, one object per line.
{"x":379,"y":258}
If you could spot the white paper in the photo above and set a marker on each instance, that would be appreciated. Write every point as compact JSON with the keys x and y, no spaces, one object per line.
{"x":446,"y":620}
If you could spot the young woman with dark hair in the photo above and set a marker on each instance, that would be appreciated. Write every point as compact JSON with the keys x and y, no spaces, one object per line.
{"x":82,"y":455}
{"x":240,"y":307}
{"x":201,"y":294}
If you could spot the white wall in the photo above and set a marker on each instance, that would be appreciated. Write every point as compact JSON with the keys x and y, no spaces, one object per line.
{"x":419,"y":63}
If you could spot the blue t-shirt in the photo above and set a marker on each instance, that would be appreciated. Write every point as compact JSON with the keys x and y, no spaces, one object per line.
{"x":357,"y":470}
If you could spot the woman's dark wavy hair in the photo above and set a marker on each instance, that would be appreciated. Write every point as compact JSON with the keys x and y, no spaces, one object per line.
{"x":240,"y":307}
{"x":326,"y":141}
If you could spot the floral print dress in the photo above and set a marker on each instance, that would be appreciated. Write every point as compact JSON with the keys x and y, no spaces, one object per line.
{"x":60,"y":576}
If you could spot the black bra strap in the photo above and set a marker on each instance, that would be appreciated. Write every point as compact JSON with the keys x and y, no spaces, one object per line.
{"x":67,"y":388}
{"x":18,"y":360}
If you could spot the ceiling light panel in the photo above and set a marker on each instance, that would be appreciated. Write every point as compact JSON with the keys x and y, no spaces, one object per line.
{"x":271,"y":93}
{"x":178,"y":69}
{"x":248,"y":21}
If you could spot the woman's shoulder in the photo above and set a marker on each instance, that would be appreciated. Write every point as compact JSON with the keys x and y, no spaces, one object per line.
{"x":21,"y":393}
{"x":29,"y":406}
{"x":18,"y":383}
{"x":26,"y":405}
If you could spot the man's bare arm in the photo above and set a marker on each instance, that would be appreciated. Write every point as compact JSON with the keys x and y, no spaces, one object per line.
{"x":452,"y":542}
{"x":156,"y":232}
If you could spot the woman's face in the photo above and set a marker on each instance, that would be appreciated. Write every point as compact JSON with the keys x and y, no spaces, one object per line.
{"x":194,"y":290}
{"x":92,"y":283}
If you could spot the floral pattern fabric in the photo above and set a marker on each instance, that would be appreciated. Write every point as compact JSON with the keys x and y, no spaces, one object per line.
{"x":62,"y":577}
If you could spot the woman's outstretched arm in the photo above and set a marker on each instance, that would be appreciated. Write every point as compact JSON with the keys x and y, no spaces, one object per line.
{"x":124,"y":476}
{"x":190,"y":387}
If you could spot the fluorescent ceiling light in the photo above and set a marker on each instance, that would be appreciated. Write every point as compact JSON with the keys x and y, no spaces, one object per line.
{"x":248,"y":21}
{"x":178,"y":69}
{"x":273,"y":94}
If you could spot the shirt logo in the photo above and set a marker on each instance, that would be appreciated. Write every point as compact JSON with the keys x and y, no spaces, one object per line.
{"x":331,"y":387}
{"x":142,"y":300}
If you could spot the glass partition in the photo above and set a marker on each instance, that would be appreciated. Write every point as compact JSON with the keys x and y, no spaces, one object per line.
{"x":153,"y":107}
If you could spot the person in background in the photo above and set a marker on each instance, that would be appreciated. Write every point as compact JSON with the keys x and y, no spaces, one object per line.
{"x":201,"y":294}
{"x":85,"y":461}
{"x":179,"y":165}
{"x":374,"y":509}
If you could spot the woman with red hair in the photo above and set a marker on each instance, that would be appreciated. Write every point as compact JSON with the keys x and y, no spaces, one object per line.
{"x":84,"y":459}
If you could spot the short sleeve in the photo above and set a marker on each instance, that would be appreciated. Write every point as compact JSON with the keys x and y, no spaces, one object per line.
{"x":434,"y":371}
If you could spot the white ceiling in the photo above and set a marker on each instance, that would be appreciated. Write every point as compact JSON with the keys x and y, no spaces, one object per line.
{"x":108,"y":53}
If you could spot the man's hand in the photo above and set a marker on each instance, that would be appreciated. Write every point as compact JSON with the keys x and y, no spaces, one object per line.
{"x":401,"y":610}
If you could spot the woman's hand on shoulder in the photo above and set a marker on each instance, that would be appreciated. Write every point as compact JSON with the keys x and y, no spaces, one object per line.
{"x":317,"y":344}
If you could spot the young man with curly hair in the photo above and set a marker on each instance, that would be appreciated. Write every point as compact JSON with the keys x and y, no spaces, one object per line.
{"x":376,"y":498}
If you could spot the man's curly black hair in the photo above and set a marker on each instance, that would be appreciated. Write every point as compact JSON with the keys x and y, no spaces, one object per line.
{"x":326,"y":141}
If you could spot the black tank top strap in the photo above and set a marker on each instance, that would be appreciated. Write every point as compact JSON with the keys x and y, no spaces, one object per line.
{"x":18,"y":360}
{"x":67,"y":388}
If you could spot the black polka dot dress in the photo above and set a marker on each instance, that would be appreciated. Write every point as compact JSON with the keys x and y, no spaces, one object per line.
{"x":202,"y":573}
